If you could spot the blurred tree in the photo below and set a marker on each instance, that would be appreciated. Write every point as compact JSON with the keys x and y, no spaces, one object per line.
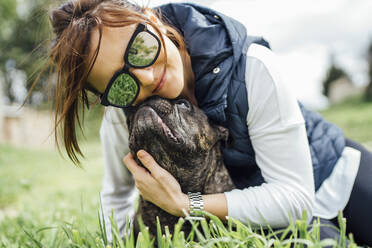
{"x":7,"y":14}
{"x":368,"y":93}
{"x":333,"y":73}
{"x":23,"y":33}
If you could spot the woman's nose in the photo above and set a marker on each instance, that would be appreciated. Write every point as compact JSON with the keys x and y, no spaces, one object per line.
{"x":144,"y":75}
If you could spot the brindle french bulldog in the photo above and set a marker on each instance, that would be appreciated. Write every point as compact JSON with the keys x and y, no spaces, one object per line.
{"x":182,"y":140}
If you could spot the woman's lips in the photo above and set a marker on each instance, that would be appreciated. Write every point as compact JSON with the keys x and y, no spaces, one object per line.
{"x":161,"y":81}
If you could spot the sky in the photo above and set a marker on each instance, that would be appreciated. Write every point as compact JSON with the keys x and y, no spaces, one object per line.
{"x":304,"y":34}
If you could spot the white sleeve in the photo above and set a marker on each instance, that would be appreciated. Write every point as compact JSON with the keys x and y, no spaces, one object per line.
{"x":118,"y":192}
{"x":277,"y":131}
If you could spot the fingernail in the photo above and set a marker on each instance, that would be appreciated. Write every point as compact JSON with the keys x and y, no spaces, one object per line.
{"x":141,"y":153}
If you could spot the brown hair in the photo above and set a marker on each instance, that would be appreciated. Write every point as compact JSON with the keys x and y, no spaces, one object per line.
{"x":73,"y":23}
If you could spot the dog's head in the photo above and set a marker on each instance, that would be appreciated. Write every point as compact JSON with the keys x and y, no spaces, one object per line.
{"x":175,"y":132}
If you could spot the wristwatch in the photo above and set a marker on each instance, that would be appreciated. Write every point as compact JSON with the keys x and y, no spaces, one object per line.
{"x":196,"y":203}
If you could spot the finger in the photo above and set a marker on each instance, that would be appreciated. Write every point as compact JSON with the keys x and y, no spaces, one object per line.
{"x":132,"y":165}
{"x":149,"y":162}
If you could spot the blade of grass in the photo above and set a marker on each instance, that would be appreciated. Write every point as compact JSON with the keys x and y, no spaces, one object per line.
{"x":33,"y":239}
{"x":159,"y":233}
{"x":102,"y":224}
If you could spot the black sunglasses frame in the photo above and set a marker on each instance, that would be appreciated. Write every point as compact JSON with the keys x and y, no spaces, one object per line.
{"x":127,"y":65}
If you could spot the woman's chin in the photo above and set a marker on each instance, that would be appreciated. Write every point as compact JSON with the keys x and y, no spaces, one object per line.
{"x":172,"y":96}
{"x":172,"y":93}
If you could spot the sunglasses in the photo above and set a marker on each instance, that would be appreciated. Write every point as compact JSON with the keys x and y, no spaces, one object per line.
{"x":142,"y":51}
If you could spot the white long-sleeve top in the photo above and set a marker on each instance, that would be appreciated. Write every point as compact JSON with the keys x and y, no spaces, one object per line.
{"x":278,"y":135}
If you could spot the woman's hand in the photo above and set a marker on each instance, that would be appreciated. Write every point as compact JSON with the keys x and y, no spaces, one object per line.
{"x":158,"y":186}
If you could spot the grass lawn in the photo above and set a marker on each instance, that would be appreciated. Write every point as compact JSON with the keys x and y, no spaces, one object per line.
{"x":49,"y":199}
{"x":354,"y":118}
{"x":38,"y":188}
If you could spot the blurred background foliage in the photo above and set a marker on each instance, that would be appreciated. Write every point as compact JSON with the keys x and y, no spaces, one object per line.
{"x":24,"y":37}
{"x":335,"y":72}
{"x":368,"y":93}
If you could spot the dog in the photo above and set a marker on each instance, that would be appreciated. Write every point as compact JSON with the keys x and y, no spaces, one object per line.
{"x":184,"y":142}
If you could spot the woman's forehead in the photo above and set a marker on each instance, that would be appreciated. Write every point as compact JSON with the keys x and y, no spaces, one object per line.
{"x":111,"y":53}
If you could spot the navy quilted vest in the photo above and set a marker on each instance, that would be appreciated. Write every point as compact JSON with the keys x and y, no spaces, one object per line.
{"x":217,"y":45}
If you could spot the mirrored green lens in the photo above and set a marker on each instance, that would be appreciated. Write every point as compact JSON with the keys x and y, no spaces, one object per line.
{"x":143,"y":50}
{"x":123,"y":90}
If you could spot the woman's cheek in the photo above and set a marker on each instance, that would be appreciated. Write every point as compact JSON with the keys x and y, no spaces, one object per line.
{"x":142,"y":95}
{"x":174,"y":86}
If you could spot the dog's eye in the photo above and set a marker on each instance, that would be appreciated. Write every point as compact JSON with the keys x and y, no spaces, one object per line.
{"x":184,"y":104}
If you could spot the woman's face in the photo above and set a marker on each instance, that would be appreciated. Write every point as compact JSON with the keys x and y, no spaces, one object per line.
{"x":165,"y":79}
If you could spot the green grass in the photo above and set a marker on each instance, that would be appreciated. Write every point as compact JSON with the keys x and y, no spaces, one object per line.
{"x":354,"y":117}
{"x":38,"y":188}
{"x":45,"y":201}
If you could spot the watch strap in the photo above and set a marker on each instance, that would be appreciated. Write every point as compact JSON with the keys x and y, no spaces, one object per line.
{"x":196,"y":203}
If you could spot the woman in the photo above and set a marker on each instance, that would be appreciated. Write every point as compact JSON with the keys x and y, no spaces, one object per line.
{"x":283,"y":158}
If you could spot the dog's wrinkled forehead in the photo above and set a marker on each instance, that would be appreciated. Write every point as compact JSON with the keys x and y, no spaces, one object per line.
{"x":163,"y":107}
{"x":160,"y":105}
{"x":173,"y":125}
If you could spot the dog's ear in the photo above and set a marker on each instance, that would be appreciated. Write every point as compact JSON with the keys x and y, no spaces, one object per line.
{"x":222,"y":133}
